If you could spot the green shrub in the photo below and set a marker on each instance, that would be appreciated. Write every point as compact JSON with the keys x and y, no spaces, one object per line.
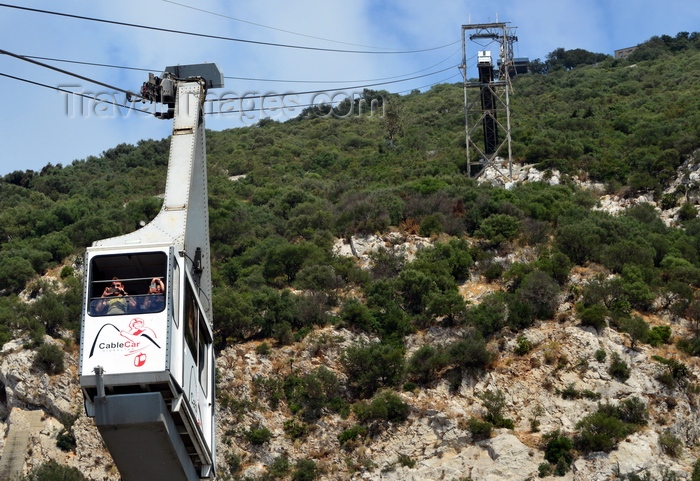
{"x":258,"y":435}
{"x":409,"y":386}
{"x":65,"y":440}
{"x":659,"y":335}
{"x":544,"y":470}
{"x":384,"y":406}
{"x":633,"y":411}
{"x":599,"y":432}
{"x":588,"y":394}
{"x":674,"y":374}
{"x":637,"y":328}
{"x":235,"y":463}
{"x":50,"y":359}
{"x":558,"y":451}
{"x":696,"y":471}
{"x":570,"y":392}
{"x":619,"y":368}
{"x":317,"y":277}
{"x":295,"y":429}
{"x":687,"y":212}
{"x":352,"y":434}
{"x":304,"y":470}
{"x":67,"y":271}
{"x":406,"y":461}
{"x":430,"y":225}
{"x":52,"y":471}
{"x":540,"y":292}
{"x":499,"y":228}
{"x":600,"y":355}
{"x":689,"y":346}
{"x":267,"y":387}
{"x":480,"y":429}
{"x":426,"y":362}
{"x":524,"y":346}
{"x":494,"y":402}
{"x":593,"y":316}
{"x":534,"y":420}
{"x":370,"y":366}
{"x":263,"y":349}
{"x":670,"y":444}
{"x":279,"y":467}
{"x":358,"y":315}
{"x":470,"y":354}
{"x":312,"y":392}
{"x":493,"y":271}
{"x":602,"y":430}
{"x":490,"y":315}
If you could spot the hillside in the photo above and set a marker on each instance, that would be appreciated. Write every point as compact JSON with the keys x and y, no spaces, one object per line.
{"x":379,"y":314}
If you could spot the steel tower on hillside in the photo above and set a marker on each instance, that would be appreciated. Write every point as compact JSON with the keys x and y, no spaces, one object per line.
{"x":487,"y":98}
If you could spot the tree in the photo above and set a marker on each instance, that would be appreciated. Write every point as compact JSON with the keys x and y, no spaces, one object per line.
{"x":425,"y":363}
{"x":234,"y":316}
{"x":357,"y":314}
{"x":286,"y":260}
{"x":415,"y":286}
{"x":304,"y":470}
{"x":370,"y":366}
{"x":638,"y":330}
{"x":499,"y":228}
{"x":470,"y":354}
{"x":392,"y":119}
{"x":600,"y":431}
{"x":558,"y":451}
{"x":541,"y":293}
{"x":50,"y":359}
{"x":14,"y":272}
{"x":494,"y":402}
{"x":450,"y":305}
{"x":561,"y":58}
{"x":593,"y":316}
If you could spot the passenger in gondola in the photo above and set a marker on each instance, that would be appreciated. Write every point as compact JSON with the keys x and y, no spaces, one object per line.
{"x":115,"y":300}
{"x":155,"y":299}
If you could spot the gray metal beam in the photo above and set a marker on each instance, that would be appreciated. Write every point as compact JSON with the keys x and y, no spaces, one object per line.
{"x":142,"y":438}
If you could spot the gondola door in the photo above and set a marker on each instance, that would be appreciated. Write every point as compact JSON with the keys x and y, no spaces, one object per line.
{"x":198,"y":363}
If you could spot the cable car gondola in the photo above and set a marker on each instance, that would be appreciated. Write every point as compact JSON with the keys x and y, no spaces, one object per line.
{"x":146,"y":355}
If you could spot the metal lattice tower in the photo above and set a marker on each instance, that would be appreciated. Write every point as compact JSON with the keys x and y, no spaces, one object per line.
{"x":487,"y":99}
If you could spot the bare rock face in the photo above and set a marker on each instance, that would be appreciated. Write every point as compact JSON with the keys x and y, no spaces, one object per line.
{"x":35,"y":409}
{"x":434,"y":443}
{"x":31,"y":388}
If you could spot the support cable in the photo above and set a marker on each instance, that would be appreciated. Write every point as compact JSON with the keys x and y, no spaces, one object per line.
{"x":66,"y":72}
{"x":219,"y":37}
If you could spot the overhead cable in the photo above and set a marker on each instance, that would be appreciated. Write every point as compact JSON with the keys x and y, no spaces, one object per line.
{"x":117,"y":104}
{"x":308,"y":92}
{"x":132,"y":94}
{"x":59,"y":89}
{"x":87,"y":79}
{"x":272,"y":28}
{"x":91,"y":64}
{"x":219,"y":37}
{"x":253,"y":79}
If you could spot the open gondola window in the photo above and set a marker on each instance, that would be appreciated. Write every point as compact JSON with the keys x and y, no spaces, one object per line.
{"x":119,"y":283}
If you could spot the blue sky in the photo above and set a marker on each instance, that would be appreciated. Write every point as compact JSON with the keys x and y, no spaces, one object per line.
{"x":41,"y":125}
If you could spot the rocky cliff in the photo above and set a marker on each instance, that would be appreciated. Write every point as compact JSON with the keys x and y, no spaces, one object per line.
{"x":434,"y":442}
{"x":435,"y":437}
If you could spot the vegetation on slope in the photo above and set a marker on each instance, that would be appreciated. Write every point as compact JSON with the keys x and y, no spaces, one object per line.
{"x":628,"y":123}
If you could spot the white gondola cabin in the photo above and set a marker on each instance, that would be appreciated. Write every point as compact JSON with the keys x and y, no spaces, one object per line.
{"x":146,"y":359}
